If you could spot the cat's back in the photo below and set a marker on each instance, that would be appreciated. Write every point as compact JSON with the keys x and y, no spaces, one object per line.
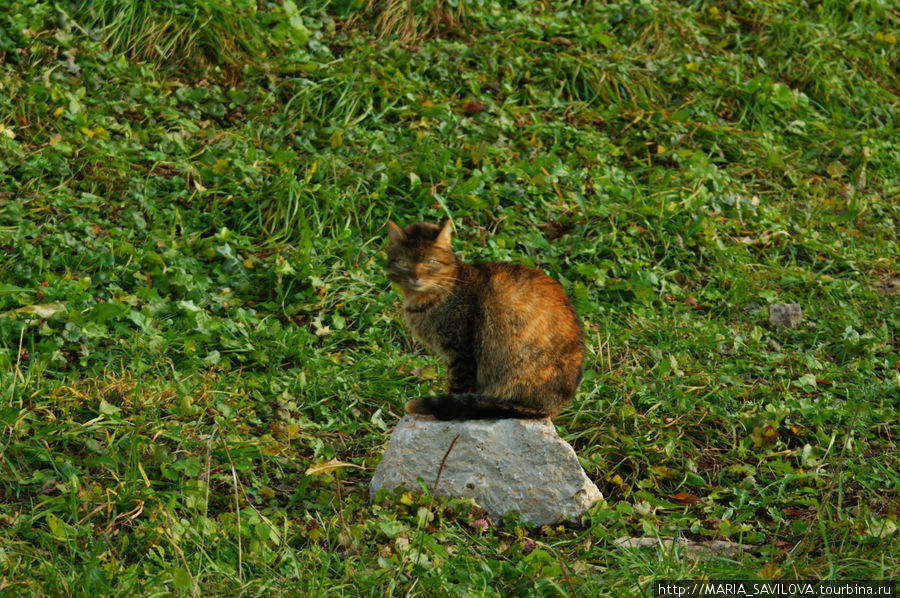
{"x":520,"y":288}
{"x":526,"y":303}
{"x":531,"y":341}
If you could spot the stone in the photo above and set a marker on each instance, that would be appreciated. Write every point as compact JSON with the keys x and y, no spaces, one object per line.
{"x":504,"y":465}
{"x":785,"y":314}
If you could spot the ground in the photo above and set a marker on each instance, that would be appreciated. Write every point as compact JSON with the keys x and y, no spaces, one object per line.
{"x":201,"y":358}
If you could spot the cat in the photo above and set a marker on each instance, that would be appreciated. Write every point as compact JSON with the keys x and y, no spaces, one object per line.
{"x":508,"y":334}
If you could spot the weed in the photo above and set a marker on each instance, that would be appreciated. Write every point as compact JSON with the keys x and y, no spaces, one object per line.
{"x":200,"y":358}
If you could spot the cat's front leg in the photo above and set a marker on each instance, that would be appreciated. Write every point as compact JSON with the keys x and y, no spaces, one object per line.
{"x":462,"y":374}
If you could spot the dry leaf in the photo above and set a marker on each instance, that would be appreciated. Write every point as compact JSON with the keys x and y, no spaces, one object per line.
{"x":473,"y":107}
{"x":329,"y":466}
{"x":560,"y":41}
{"x":685,"y":498}
{"x":42,"y":311}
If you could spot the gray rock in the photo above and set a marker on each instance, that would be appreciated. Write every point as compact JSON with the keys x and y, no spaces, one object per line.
{"x":503,"y":464}
{"x":785,"y":314}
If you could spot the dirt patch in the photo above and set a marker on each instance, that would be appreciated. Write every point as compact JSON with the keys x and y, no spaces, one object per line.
{"x":888,"y":285}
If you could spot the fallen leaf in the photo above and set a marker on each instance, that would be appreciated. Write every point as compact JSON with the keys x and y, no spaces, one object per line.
{"x":108,"y":409}
{"x":473,"y":107}
{"x":48,"y":487}
{"x":764,"y":436}
{"x":329,"y":466}
{"x":836,"y":169}
{"x":42,"y":311}
{"x":685,"y":498}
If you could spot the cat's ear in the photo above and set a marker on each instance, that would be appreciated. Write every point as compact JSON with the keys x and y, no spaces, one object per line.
{"x":443,"y":238}
{"x":395,"y":233}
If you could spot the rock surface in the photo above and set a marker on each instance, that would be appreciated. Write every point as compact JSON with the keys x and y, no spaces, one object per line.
{"x":785,"y":314}
{"x":503,"y":464}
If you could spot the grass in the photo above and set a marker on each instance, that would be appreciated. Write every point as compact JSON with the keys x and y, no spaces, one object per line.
{"x":193,"y":311}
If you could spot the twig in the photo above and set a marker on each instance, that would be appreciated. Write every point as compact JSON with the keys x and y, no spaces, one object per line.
{"x":19,"y":355}
{"x":835,"y":480}
{"x":562,"y":565}
{"x":440,"y":470}
{"x":171,"y":538}
{"x":340,"y":510}
{"x":421,"y":530}
{"x":839,"y":467}
{"x":239,"y":489}
{"x":608,"y":355}
{"x":212,"y":435}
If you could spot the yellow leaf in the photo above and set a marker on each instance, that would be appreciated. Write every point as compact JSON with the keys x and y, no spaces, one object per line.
{"x":336,"y":139}
{"x":312,"y":170}
{"x":41,"y":311}
{"x":329,"y":466}
{"x":836,"y":169}
{"x":58,"y":111}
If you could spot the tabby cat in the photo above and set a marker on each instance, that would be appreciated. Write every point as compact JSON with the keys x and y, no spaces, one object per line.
{"x":508,"y":334}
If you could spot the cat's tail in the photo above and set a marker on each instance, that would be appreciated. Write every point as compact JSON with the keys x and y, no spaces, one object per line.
{"x":472,"y":406}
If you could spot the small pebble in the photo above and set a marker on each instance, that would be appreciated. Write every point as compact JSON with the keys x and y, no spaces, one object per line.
{"x":785,"y":314}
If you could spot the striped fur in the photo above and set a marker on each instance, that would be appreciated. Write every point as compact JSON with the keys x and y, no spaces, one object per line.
{"x":509,"y":336}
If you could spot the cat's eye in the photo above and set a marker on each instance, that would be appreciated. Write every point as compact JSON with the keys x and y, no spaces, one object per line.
{"x":402,"y":262}
{"x":434,"y":262}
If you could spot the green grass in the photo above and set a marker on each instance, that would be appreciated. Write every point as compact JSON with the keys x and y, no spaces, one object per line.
{"x":193,"y":310}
